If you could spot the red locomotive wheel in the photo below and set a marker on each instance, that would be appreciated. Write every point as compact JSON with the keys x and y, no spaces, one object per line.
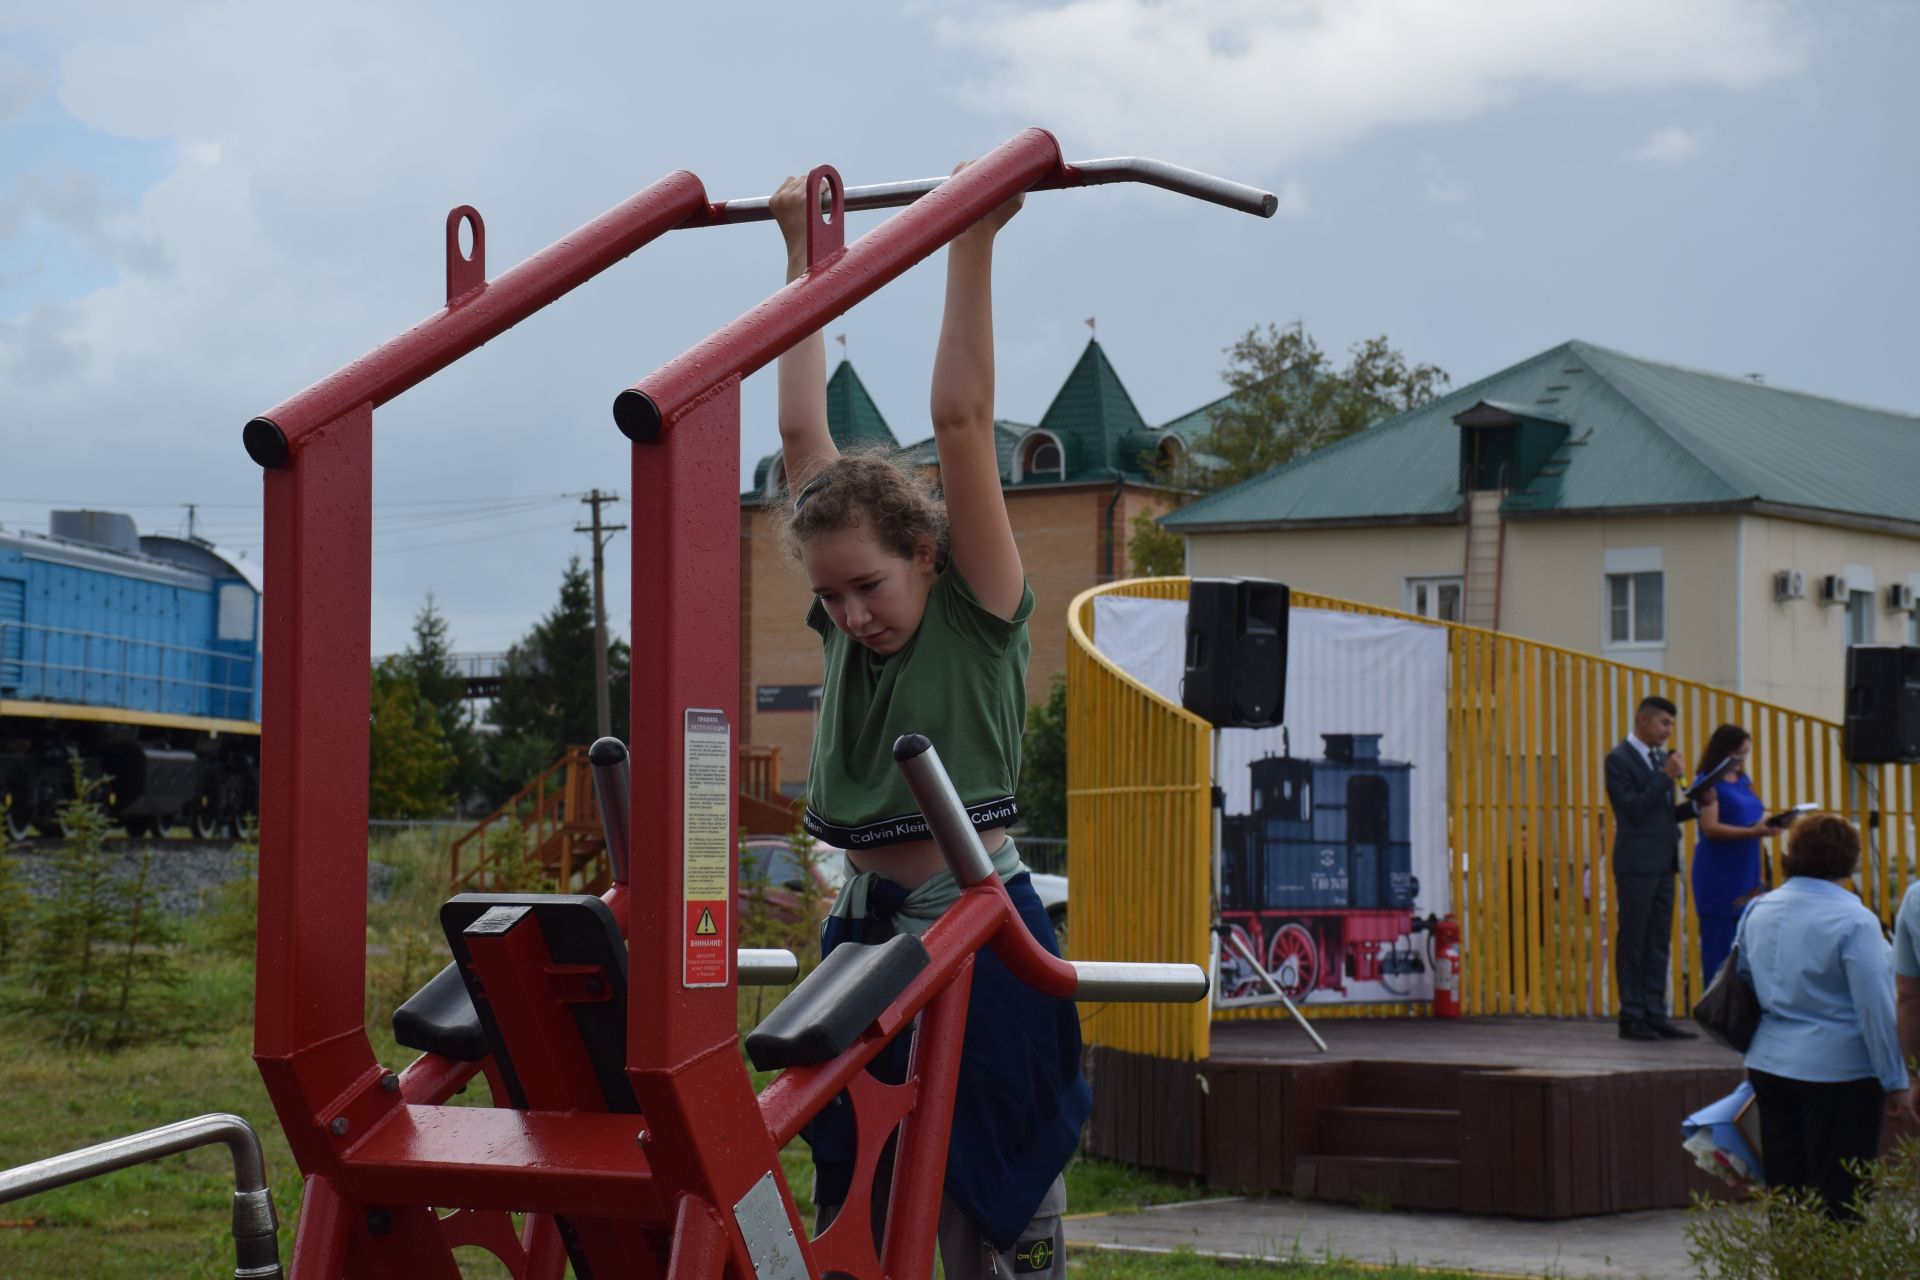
{"x":1293,"y":960}
{"x":1237,"y":977}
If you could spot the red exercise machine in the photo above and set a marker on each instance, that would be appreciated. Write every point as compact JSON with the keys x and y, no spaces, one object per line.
{"x":625,"y":1127}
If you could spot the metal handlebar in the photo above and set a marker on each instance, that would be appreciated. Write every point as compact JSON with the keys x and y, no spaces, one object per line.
{"x":612,"y":787}
{"x":1083,"y":173}
{"x":256,"y":1245}
{"x":765,"y":967}
{"x":1105,"y":980}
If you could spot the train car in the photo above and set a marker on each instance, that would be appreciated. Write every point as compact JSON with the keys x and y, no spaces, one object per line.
{"x":141,"y":655}
{"x":1317,"y":877}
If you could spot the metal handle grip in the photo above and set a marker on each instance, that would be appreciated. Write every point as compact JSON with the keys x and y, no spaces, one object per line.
{"x":1083,"y":173}
{"x":940,"y":805}
{"x":256,"y":1246}
{"x":765,"y":967}
{"x":611,"y":786}
{"x":1124,"y":981}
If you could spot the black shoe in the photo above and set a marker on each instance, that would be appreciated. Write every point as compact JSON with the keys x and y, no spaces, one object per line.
{"x":1637,"y":1031}
{"x":1667,"y":1031}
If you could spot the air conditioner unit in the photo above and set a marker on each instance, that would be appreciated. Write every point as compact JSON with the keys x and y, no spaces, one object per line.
{"x":1833,"y":589}
{"x":1789,"y":584}
{"x":1900,"y":597}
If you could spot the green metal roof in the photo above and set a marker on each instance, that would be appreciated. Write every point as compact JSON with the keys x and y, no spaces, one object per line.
{"x":853,"y":420}
{"x":1094,"y":419}
{"x":1639,"y":434}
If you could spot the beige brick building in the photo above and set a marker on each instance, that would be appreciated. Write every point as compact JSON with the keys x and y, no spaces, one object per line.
{"x":1705,"y":526}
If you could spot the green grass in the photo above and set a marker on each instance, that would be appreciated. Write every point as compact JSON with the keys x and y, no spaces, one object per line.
{"x":1095,"y":1264}
{"x":171,"y":1218}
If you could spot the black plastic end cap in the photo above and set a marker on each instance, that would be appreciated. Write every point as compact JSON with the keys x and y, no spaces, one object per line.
{"x":606,"y":751}
{"x":266,"y":443}
{"x":1269,"y":203}
{"x":637,"y":416}
{"x":909,"y":745}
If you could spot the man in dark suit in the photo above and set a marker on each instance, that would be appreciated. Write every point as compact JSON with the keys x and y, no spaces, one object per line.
{"x":1646,"y":854}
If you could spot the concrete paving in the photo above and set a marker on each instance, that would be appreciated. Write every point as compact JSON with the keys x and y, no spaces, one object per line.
{"x":1639,"y":1246}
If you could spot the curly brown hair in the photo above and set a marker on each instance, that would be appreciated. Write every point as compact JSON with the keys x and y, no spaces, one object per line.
{"x":1822,"y":846}
{"x":880,"y":488}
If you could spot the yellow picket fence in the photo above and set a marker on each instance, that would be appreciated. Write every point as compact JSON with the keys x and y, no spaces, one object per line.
{"x":1529,"y":830}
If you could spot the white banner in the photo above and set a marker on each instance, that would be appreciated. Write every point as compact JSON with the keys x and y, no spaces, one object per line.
{"x":1324,"y":885}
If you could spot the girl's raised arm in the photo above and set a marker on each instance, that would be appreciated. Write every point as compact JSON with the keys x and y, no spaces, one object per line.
{"x":805,"y":443}
{"x":983,"y":548}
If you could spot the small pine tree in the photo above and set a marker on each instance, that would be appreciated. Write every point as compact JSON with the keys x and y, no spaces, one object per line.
{"x":99,"y":950}
{"x":14,"y":903}
{"x":145,"y":971}
{"x":429,"y":660}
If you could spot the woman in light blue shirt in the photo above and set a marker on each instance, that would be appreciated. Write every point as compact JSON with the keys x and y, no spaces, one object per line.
{"x":1825,"y":1063}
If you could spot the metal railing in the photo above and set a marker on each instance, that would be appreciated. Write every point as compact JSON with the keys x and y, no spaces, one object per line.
{"x":255,"y":1228}
{"x":139,"y":675}
{"x":1529,"y":830}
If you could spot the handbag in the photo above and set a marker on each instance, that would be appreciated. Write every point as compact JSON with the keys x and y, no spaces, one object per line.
{"x":1729,"y":1011}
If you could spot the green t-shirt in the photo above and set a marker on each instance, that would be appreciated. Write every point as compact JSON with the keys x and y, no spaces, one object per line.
{"x":961,"y":680}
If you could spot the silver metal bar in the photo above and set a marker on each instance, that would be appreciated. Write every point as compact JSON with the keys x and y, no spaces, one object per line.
{"x":765,"y":967}
{"x":612,"y":787}
{"x":1081,"y":173}
{"x":1118,"y":981}
{"x":940,"y":805}
{"x":255,"y":1240}
{"x":1240,"y":945}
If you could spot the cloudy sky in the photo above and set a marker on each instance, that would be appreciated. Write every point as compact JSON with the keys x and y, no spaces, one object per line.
{"x":206,"y":206}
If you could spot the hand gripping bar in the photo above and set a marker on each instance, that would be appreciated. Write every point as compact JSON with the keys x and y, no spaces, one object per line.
{"x":1080,"y":173}
{"x":967,"y":858}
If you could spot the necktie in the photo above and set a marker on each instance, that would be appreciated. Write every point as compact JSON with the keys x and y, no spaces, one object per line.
{"x":1657,"y":758}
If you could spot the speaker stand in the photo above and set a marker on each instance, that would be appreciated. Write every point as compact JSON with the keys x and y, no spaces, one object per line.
{"x":1223,"y":937}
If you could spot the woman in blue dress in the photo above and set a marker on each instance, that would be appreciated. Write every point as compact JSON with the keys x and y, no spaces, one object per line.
{"x":1726,"y":860}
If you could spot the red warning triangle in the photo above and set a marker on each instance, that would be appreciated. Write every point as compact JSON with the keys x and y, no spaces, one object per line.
{"x":706,"y":925}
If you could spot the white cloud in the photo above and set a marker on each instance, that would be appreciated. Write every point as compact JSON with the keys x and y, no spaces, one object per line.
{"x":1672,"y":145}
{"x":20,"y":86}
{"x":1250,"y":81}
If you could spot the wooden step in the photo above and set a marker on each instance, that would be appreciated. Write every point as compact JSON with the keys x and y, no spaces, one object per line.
{"x":1405,"y":1084}
{"x":1424,"y":1133}
{"x":1378,"y":1181}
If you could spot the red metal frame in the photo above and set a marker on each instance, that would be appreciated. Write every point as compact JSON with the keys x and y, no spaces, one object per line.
{"x":379,"y":1150}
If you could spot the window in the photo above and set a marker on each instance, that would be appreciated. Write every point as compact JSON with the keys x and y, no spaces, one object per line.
{"x":1636,"y":608}
{"x":1040,"y":459}
{"x":1437,"y":598}
{"x":1859,"y":623}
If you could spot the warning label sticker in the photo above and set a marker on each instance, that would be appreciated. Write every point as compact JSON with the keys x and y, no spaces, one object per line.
{"x":707,"y":850}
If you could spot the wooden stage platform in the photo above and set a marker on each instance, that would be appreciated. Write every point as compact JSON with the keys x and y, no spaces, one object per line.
{"x":1532,"y":1117}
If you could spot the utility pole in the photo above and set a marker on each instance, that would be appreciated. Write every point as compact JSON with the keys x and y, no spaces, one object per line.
{"x":602,"y":534}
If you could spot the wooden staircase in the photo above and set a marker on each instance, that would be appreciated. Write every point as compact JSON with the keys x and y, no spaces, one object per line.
{"x":548,"y":833}
{"x":1393,"y":1139}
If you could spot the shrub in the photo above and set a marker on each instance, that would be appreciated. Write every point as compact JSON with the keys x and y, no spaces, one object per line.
{"x":1779,"y":1236}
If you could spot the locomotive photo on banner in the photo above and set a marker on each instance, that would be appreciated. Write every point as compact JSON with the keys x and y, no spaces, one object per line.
{"x":1334,"y":833}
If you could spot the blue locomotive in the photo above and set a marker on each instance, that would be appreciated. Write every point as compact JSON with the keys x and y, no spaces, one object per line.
{"x":141,"y":655}
{"x":1317,"y":878}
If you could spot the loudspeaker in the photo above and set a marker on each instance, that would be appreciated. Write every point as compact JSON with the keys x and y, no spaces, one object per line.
{"x":1883,"y":704}
{"x":1236,"y":670}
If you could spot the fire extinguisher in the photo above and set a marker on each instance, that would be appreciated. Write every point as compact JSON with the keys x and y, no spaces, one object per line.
{"x":1446,"y":968}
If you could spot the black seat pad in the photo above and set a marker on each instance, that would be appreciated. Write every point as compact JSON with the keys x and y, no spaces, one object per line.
{"x":836,"y":1002}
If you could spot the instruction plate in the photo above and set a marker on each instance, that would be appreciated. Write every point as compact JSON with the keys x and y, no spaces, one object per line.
{"x":707,"y":850}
